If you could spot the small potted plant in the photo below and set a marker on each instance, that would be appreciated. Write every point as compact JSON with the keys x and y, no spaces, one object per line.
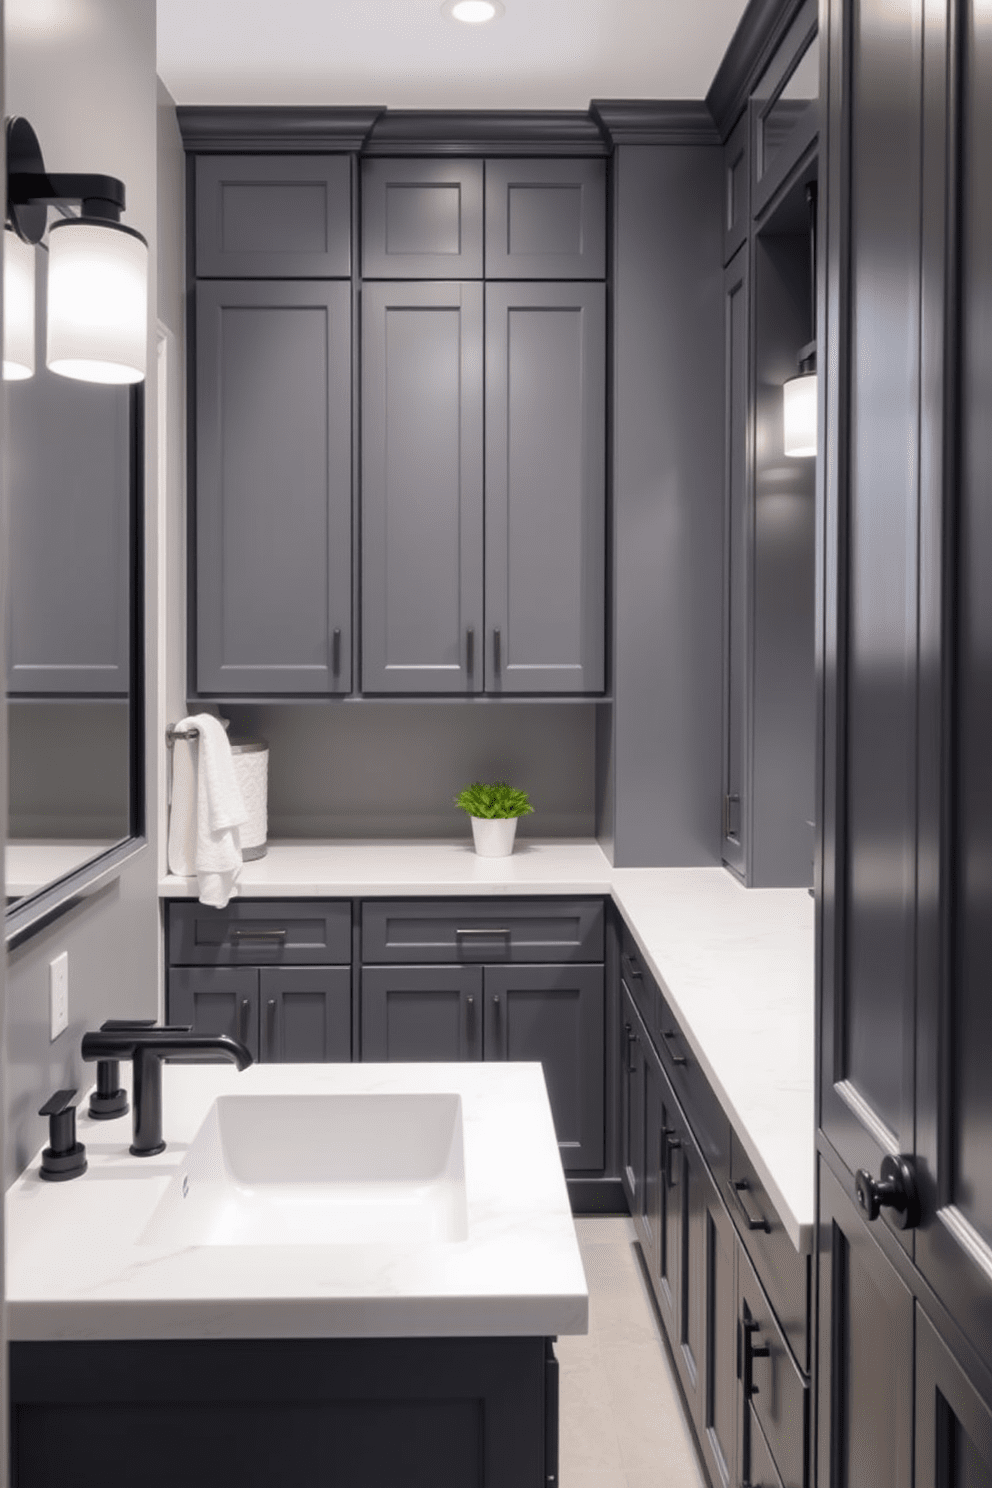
{"x":493,"y":810}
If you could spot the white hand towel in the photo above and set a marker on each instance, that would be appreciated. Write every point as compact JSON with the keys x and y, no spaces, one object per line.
{"x":220,"y":811}
{"x":182,"y":808}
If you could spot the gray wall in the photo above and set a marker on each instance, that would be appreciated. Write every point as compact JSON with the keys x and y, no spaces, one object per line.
{"x":391,"y":769}
{"x":660,"y":763}
{"x":88,"y":87}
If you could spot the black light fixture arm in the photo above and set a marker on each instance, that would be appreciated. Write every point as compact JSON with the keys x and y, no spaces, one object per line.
{"x":31,"y":190}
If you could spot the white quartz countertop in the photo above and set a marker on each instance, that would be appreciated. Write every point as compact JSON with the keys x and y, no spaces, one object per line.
{"x":80,"y":1266}
{"x":735,"y":965}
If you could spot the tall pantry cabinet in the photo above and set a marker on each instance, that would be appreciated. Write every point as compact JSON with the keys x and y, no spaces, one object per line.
{"x":905,"y":1176}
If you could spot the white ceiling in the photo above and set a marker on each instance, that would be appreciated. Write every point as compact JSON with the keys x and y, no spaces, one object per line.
{"x":405,"y":54}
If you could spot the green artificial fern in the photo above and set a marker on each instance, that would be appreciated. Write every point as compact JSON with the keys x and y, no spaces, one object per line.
{"x":493,"y":802}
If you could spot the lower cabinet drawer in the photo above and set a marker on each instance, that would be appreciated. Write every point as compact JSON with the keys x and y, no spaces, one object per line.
{"x":771,"y":1385}
{"x":784,"y":1273}
{"x":482,"y":930}
{"x":278,"y":932}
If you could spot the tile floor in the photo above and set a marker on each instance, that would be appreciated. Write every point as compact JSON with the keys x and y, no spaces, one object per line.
{"x":621,"y":1415}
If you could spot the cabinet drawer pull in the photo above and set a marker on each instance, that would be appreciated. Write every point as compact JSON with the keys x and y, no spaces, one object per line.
{"x":497,"y":651}
{"x":247,"y":932}
{"x":336,"y":652}
{"x":490,"y":933}
{"x":670,"y":1144}
{"x":631,"y":1038}
{"x":669,"y":1036}
{"x":738,"y":1188}
{"x":470,"y":650}
{"x":245,"y":1014}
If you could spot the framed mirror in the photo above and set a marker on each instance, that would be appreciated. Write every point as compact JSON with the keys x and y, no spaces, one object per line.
{"x":74,"y":463}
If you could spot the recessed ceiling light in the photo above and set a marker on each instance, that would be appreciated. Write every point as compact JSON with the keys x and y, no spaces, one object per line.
{"x":473,"y":12}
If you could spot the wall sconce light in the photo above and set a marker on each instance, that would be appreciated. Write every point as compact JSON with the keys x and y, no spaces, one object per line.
{"x":97,"y":271}
{"x":799,"y":400}
{"x":800,"y":395}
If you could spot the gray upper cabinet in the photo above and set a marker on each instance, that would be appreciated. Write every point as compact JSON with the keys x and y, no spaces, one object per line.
{"x":545,"y":219}
{"x":273,"y":490}
{"x":422,"y":497}
{"x":545,"y":487}
{"x":273,"y":216}
{"x":422,"y":219}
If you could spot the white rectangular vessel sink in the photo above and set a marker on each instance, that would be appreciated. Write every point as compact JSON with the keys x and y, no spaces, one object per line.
{"x":334,"y":1169}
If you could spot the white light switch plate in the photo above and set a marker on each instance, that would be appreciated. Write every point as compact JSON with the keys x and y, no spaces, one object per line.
{"x":58,"y":993}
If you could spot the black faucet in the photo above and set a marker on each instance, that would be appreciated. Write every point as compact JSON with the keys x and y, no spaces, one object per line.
{"x":146,"y":1048}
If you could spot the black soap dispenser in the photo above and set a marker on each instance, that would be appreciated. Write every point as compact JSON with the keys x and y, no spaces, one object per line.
{"x":64,"y":1157}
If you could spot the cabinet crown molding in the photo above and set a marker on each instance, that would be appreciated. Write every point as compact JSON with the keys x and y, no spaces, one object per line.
{"x":650,"y":121}
{"x":761,"y":28}
{"x":261,"y":128}
{"x":484,"y":132}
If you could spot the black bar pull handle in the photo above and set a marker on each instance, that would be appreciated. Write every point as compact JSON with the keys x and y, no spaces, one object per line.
{"x":497,"y":651}
{"x":470,"y":650}
{"x":336,"y":652}
{"x":738,"y":1188}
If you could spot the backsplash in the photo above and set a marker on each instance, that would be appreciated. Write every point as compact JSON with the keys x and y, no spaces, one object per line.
{"x":391,"y":769}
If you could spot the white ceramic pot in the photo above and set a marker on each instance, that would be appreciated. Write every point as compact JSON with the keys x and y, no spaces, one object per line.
{"x":494,"y":839}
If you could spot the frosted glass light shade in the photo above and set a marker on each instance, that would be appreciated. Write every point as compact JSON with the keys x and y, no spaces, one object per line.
{"x":97,"y":301}
{"x":18,"y":307}
{"x":474,"y":12}
{"x":799,"y":410}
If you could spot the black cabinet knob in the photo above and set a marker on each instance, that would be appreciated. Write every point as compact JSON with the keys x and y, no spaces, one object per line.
{"x":896,"y":1190}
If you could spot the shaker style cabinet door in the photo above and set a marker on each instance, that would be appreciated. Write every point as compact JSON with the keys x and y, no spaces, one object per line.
{"x":545,"y":219}
{"x":865,"y":1375}
{"x":545,"y":488}
{"x":305,"y":1014}
{"x":872,"y":963}
{"x":422,"y":488}
{"x":273,"y":216}
{"x":216,"y":999}
{"x":632,"y":1082}
{"x":273,"y":488}
{"x":554,"y":1014}
{"x":953,"y":1422}
{"x":422,"y":219}
{"x":421,"y":1013}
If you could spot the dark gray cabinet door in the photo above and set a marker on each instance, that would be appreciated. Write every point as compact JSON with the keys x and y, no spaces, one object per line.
{"x":273,"y":488}
{"x":954,"y":1036}
{"x":953,"y":1422}
{"x":632,"y":1113}
{"x":555,"y":1014}
{"x":421,"y":1013}
{"x":545,"y":219}
{"x":422,"y":502}
{"x":714,"y":1270}
{"x":737,"y":551}
{"x":545,"y":487}
{"x":663,"y":1194}
{"x":273,"y":216}
{"x":422,"y":219}
{"x":865,"y":1375}
{"x":305,"y":1014}
{"x":68,"y":474}
{"x":871,"y":949}
{"x":216,"y":999}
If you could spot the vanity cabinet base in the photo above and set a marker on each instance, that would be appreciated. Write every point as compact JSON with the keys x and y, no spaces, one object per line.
{"x":246,"y":1413}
